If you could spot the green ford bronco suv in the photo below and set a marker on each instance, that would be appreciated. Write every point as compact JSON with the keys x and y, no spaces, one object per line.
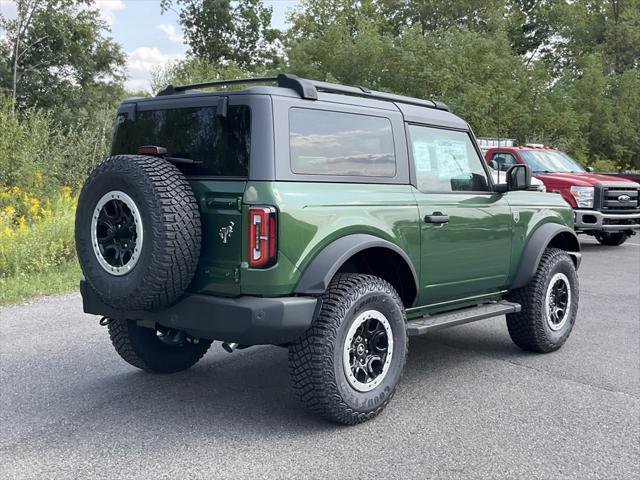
{"x":331,"y":220}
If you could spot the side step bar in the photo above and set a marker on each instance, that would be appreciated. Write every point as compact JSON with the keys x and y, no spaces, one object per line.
{"x":430,"y":323}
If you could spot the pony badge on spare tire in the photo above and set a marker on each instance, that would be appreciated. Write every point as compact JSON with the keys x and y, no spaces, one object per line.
{"x":316,"y":217}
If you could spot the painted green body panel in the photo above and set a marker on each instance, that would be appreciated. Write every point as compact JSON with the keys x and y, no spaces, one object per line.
{"x":312,"y":215}
{"x":468,"y":256}
{"x":534,"y":209}
{"x":473,"y":258}
{"x":220,"y":207}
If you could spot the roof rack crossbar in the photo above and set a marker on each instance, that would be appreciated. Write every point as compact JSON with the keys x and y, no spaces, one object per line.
{"x":308,"y":89}
{"x":365,"y":92}
{"x":170,"y":90}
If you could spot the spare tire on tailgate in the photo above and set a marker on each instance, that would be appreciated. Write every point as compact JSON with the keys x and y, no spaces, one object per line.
{"x":138,"y":232}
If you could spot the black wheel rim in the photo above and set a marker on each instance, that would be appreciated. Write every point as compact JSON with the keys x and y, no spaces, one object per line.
{"x":368,"y":350}
{"x":116,"y":233}
{"x":558,"y":301}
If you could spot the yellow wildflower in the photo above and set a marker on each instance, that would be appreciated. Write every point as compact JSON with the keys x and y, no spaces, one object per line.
{"x":66,"y":193}
{"x":9,"y":211}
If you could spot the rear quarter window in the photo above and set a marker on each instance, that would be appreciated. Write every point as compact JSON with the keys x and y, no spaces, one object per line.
{"x":218,"y":146}
{"x":324,"y":142}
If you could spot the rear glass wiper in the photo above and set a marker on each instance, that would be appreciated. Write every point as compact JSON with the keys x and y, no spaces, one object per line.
{"x":182,"y":160}
{"x":156,"y":151}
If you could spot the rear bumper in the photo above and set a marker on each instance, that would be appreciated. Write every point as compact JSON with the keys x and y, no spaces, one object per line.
{"x":595,"y":220}
{"x":245,"y":320}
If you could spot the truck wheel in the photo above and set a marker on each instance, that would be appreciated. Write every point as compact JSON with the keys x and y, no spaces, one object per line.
{"x":155,"y":351}
{"x":549,"y":304}
{"x":611,"y":238}
{"x":347,"y":365}
{"x":138,"y":232}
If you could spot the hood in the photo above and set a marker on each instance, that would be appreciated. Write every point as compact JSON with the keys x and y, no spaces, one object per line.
{"x":584,"y":179}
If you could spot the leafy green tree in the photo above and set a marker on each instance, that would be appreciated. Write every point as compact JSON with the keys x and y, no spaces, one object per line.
{"x":56,"y":56}
{"x":193,"y":70}
{"x":222,"y":31}
{"x":432,"y":15}
{"x":584,"y":27}
{"x":531,"y":26}
{"x":550,"y":71}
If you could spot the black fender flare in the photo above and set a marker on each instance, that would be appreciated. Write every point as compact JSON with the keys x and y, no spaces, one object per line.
{"x":541,"y":238}
{"x":316,"y":277}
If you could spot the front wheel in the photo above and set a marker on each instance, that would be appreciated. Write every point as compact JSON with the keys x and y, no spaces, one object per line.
{"x":347,"y":365}
{"x":612,"y":239}
{"x":549,"y":304}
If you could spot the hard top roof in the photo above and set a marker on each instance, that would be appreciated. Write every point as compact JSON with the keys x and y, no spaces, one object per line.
{"x":413,"y":109}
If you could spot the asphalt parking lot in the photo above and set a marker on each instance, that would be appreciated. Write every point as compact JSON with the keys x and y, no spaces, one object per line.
{"x":471,"y":405}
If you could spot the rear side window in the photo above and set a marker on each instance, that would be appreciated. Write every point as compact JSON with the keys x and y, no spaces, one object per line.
{"x":217,"y":146}
{"x":341,"y":144}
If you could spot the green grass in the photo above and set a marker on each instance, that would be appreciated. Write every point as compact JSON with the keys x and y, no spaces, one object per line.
{"x":57,"y":279}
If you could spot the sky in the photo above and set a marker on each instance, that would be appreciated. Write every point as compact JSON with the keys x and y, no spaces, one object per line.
{"x":149,"y":38}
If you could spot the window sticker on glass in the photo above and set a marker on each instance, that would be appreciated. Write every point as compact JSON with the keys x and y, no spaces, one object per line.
{"x":421,"y":156}
{"x":452,"y":156}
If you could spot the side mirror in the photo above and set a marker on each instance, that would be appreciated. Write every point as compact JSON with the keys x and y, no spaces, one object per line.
{"x":518,"y":178}
{"x":590,"y":169}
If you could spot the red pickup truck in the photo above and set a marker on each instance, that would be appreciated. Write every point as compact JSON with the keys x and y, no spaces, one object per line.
{"x":606,"y":207}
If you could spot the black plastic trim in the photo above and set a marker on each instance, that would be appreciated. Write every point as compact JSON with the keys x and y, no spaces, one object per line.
{"x":302,"y":87}
{"x":538,"y":242}
{"x":245,"y":320}
{"x":318,"y":274}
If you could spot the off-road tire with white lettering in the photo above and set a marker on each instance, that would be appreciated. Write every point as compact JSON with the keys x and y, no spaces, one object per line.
{"x":316,"y":359}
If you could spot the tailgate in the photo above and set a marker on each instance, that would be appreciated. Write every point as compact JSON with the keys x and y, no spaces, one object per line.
{"x":220,"y":204}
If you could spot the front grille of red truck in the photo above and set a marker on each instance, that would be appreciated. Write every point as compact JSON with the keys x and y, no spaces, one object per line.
{"x":620,"y":199}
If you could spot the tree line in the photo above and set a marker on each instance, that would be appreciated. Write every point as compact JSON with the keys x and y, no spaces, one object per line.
{"x":564,"y":73}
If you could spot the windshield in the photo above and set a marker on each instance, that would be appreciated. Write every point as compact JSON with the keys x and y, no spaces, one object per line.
{"x":550,"y":161}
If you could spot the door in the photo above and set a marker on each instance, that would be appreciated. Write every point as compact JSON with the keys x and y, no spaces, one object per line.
{"x":465,"y":228}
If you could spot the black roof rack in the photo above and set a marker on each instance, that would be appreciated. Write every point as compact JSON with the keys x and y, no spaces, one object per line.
{"x":308,"y":89}
{"x":170,"y":89}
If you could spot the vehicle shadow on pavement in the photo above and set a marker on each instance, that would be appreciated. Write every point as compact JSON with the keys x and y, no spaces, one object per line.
{"x":249,"y":389}
{"x":595,"y":247}
{"x":222,"y":395}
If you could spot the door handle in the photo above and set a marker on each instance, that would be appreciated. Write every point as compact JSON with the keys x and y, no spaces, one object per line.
{"x":436,"y":217}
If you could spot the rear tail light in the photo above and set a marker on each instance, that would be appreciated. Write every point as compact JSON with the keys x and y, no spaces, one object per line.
{"x":263,"y":228}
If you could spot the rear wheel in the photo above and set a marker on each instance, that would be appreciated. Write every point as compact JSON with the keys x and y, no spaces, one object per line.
{"x":347,"y":365}
{"x":612,"y":239}
{"x":155,"y":350}
{"x":549,"y":304}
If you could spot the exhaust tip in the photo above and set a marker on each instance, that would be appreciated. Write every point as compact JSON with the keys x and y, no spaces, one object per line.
{"x":229,"y":347}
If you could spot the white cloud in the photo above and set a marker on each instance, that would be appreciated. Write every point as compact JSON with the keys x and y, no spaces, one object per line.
{"x":108,"y":9}
{"x":142,"y":61}
{"x":171,"y":32}
{"x":8,"y":9}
